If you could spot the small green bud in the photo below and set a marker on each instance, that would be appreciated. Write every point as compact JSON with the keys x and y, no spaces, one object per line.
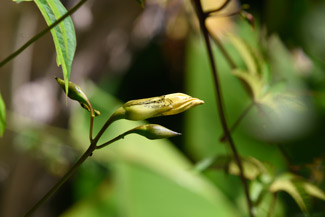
{"x":75,"y":93}
{"x":154,"y":131}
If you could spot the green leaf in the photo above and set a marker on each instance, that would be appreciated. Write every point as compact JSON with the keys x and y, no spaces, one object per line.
{"x":314,"y":191}
{"x":2,"y":116}
{"x":204,"y":164}
{"x":63,"y":34}
{"x":252,"y":58}
{"x":285,"y":183}
{"x":299,"y":189}
{"x":253,"y":82}
{"x":252,"y":167}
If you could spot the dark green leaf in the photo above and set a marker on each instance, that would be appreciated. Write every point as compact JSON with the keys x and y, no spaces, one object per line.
{"x":2,"y":116}
{"x":64,"y":36}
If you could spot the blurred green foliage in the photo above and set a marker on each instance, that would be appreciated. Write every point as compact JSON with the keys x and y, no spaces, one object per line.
{"x":141,"y":178}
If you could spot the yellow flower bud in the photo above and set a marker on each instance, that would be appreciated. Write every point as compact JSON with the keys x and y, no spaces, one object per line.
{"x":154,"y":131}
{"x":180,"y":103}
{"x":170,"y":104}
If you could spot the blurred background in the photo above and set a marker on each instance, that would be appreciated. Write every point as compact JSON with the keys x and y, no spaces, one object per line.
{"x":127,"y":52}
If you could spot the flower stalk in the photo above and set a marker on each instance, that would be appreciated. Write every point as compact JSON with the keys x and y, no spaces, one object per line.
{"x":202,"y":16}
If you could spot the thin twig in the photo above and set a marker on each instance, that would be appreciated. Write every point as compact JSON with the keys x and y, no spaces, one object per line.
{"x":92,"y":116}
{"x":202,"y":18}
{"x":91,"y":128}
{"x":239,"y":119}
{"x":41,"y":34}
{"x":105,"y":126}
{"x":92,"y":147}
{"x":112,"y":140}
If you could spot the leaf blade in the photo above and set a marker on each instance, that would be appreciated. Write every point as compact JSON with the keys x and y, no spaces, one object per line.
{"x":63,"y":34}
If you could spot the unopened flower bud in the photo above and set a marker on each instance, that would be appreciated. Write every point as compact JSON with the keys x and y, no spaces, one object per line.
{"x":75,"y":93}
{"x":170,"y":104}
{"x":154,"y":131}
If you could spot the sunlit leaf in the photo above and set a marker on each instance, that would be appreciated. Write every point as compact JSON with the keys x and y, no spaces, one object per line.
{"x":2,"y":116}
{"x":253,"y":82}
{"x":285,"y":183}
{"x":252,"y":167}
{"x":251,"y":58}
{"x":299,"y":189}
{"x":204,"y":164}
{"x":314,"y":191}
{"x":63,"y":34}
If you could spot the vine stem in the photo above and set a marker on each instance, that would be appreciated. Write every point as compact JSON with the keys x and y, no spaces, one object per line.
{"x":92,"y":147}
{"x":41,"y":34}
{"x":88,"y":153}
{"x":202,"y":18}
